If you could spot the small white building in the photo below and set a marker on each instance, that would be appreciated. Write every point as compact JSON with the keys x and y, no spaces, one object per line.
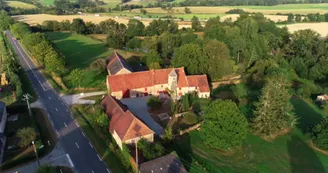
{"x":322,"y":98}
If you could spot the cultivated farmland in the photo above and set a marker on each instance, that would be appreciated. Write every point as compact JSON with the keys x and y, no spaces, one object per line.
{"x":39,"y":18}
{"x":321,"y":28}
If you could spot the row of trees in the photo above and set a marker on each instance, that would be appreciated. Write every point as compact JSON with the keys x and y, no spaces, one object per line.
{"x":311,"y":17}
{"x":40,"y":47}
{"x":241,"y":2}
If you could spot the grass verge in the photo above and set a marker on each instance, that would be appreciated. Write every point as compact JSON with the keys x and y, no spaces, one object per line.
{"x":108,"y":154}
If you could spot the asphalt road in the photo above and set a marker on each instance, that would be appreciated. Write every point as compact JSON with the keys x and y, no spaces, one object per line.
{"x":83,"y":156}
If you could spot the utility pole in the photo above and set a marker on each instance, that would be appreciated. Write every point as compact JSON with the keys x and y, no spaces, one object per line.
{"x":36,"y":153}
{"x":137,"y":171}
{"x":26,"y":98}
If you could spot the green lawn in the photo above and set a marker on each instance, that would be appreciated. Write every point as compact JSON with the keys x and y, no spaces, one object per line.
{"x":289,"y":153}
{"x":80,"y":51}
{"x":19,"y":4}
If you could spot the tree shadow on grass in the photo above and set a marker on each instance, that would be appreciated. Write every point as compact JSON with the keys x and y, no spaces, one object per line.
{"x":302,"y":157}
{"x":307,"y":115}
{"x":78,"y":53}
{"x":184,"y":150}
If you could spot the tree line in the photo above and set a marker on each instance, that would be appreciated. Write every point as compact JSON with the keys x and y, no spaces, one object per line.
{"x":42,"y":49}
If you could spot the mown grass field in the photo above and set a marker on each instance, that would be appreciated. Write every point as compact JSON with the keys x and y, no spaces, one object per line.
{"x":80,"y":51}
{"x":290,"y":153}
{"x":285,"y":8}
{"x":19,"y":4}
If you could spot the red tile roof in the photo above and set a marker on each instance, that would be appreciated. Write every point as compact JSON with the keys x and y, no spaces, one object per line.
{"x":126,"y":125}
{"x":123,"y":82}
{"x":199,"y":81}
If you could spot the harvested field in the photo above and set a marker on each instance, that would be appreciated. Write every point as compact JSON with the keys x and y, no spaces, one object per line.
{"x":39,"y":18}
{"x":286,"y":8}
{"x":18,"y":4}
{"x":321,"y":28}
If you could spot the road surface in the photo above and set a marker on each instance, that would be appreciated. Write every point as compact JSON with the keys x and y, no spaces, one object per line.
{"x":83,"y":156}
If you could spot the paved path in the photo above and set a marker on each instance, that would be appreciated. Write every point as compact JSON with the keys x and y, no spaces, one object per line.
{"x":70,"y":136}
{"x":78,"y":98}
{"x":139,"y":107}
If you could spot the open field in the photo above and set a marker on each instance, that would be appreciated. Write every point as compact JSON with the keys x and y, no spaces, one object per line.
{"x":321,"y":28}
{"x":80,"y":51}
{"x":18,"y":4}
{"x":286,"y":8}
{"x":39,"y":18}
{"x":289,"y":153}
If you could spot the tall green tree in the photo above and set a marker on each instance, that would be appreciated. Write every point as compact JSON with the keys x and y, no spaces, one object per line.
{"x":20,"y":29}
{"x":5,"y":20}
{"x":195,"y":24}
{"x":168,"y":43}
{"x":220,"y":62}
{"x":224,"y":127}
{"x":135,"y":28}
{"x":78,"y":26}
{"x":26,"y":135}
{"x":274,"y":112}
{"x":152,"y":59}
{"x":54,"y":62}
{"x":191,"y":57}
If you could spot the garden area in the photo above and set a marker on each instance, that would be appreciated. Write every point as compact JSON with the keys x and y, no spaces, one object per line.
{"x":21,"y":132}
{"x":289,"y":153}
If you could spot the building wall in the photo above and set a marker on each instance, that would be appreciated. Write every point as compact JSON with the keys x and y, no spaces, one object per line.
{"x":117,"y":139}
{"x":117,"y":95}
{"x":204,"y":94}
{"x":3,"y":121}
{"x":149,"y":138}
{"x":123,"y":71}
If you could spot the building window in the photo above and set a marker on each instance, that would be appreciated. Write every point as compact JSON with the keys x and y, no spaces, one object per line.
{"x":196,"y":87}
{"x":162,"y":86}
{"x":179,"y":88}
{"x":145,"y":89}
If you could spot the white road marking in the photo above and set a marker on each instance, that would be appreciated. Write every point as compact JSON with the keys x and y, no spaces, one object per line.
{"x":92,"y":171}
{"x":107,"y":170}
{"x":71,"y":116}
{"x":77,"y":124}
{"x":49,"y":98}
{"x":67,"y":110}
{"x":77,"y":145}
{"x":52,"y":123}
{"x":99,"y":157}
{"x":65,"y":124}
{"x":69,"y":160}
{"x":56,"y":109}
{"x":83,"y":134}
{"x":90,"y":145}
{"x":57,"y":133}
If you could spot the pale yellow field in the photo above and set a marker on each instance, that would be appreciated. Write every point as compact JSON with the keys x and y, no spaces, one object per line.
{"x":34,"y":19}
{"x":290,"y":8}
{"x":321,"y":28}
{"x":18,"y":4}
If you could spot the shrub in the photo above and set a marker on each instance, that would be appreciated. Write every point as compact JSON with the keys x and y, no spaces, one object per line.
{"x":236,"y":11}
{"x":26,"y":136}
{"x":190,"y":118}
{"x":150,"y":151}
{"x":319,"y":134}
{"x":154,"y":102}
